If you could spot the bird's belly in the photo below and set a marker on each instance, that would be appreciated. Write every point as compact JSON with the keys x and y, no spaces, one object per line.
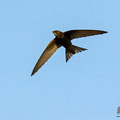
{"x":66,"y":44}
{"x":63,"y":42}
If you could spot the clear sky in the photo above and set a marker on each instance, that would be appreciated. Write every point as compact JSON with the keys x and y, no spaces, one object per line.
{"x":86,"y":88}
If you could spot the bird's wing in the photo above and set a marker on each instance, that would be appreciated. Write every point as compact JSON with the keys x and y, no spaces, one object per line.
{"x":48,"y":52}
{"x":82,"y":33}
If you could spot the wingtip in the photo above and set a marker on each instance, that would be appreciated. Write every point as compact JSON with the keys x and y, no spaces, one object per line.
{"x":105,"y":31}
{"x":32,"y":73}
{"x":102,"y":32}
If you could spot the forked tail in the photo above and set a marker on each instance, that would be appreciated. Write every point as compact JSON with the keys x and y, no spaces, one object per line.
{"x":72,"y":50}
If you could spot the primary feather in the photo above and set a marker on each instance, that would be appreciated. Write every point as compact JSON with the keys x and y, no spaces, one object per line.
{"x":72,"y":34}
{"x":48,"y":52}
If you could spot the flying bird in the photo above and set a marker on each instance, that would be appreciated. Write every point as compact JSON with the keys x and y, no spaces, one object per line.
{"x":64,"y":39}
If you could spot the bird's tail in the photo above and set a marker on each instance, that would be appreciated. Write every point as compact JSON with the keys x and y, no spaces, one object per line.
{"x":72,"y":50}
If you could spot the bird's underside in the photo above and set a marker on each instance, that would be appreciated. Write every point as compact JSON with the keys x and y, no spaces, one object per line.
{"x":64,"y":39}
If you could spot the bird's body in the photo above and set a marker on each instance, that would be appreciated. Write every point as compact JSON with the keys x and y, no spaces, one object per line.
{"x":64,"y":39}
{"x":65,"y":42}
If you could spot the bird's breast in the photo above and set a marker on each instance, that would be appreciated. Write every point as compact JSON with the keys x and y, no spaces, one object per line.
{"x":63,"y":42}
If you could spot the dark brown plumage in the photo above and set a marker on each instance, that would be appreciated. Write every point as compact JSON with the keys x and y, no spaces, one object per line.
{"x":64,"y":39}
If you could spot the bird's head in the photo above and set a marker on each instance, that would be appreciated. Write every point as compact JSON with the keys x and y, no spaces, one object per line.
{"x":58,"y":34}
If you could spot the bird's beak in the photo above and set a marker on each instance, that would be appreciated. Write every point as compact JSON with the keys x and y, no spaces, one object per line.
{"x":54,"y":33}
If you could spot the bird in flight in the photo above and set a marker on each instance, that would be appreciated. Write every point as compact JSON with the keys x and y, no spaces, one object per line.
{"x":64,"y":39}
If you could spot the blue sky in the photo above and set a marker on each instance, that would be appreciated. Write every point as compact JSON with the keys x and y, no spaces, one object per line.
{"x":85,"y":88}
